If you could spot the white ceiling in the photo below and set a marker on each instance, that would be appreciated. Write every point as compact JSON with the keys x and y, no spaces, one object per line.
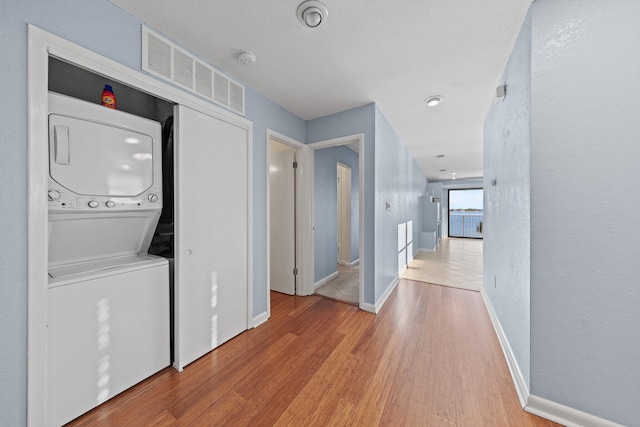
{"x":393,"y":53}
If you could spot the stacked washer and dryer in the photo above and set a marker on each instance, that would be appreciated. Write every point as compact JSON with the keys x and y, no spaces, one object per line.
{"x":108,"y":299}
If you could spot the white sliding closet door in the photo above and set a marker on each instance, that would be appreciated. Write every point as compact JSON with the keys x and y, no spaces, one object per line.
{"x":211,"y":234}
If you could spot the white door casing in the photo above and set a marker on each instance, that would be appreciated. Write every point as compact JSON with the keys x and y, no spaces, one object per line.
{"x":43,"y":45}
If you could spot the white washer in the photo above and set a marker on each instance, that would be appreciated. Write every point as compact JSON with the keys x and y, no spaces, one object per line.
{"x":108,"y":300}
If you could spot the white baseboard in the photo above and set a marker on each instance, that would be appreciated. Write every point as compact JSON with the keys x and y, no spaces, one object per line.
{"x":368,"y":307}
{"x":531,"y":403}
{"x":260,"y":319}
{"x":325,"y":280}
{"x":564,"y":415}
{"x":350,"y":264}
{"x":518,"y":380}
{"x":385,"y":295}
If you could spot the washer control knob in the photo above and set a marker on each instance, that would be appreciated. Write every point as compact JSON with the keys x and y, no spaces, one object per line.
{"x":53,"y":195}
{"x":153,"y":197}
{"x":93,"y":204}
{"x":110,"y":203}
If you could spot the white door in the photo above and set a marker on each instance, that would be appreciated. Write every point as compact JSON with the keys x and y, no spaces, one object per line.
{"x":344,"y":214}
{"x":211,"y":234}
{"x":282,"y":223}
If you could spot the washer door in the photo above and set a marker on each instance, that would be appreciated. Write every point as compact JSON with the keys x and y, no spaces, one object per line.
{"x":92,"y":158}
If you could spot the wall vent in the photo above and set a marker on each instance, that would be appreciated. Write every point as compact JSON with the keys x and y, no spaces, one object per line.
{"x":170,"y":62}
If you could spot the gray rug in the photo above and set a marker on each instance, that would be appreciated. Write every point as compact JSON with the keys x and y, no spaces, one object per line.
{"x":343,"y":288}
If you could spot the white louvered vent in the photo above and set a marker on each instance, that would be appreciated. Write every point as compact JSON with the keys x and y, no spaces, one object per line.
{"x":183,"y":68}
{"x":204,"y":84}
{"x":165,"y":59}
{"x":220,"y":88}
{"x":236,"y":96}
{"x":158,"y":56}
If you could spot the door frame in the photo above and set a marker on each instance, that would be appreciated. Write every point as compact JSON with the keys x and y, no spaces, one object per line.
{"x":309,"y":196}
{"x":41,"y":46}
{"x":302,"y":211}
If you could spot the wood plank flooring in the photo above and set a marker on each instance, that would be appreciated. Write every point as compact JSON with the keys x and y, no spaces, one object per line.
{"x":429,"y":358}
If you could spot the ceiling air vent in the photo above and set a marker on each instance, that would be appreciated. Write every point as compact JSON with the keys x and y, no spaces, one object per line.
{"x":170,"y":62}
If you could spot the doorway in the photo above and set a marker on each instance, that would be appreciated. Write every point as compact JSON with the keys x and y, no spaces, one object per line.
{"x":288,"y":222}
{"x":465,"y":213}
{"x":338,"y":219}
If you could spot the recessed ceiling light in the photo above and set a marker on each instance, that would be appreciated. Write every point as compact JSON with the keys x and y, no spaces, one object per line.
{"x":312,"y":13}
{"x":434,"y":100}
{"x":453,"y":173}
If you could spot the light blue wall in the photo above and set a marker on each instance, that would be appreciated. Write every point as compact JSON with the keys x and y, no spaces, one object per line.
{"x":585,"y":237}
{"x":506,"y":221}
{"x":325,"y":205}
{"x":350,"y":122}
{"x":108,"y":30}
{"x":399,"y":181}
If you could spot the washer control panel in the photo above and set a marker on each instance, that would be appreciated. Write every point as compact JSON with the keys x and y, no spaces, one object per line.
{"x":61,"y":200}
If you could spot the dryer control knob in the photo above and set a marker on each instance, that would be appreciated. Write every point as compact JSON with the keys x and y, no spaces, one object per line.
{"x":53,"y":195}
{"x":93,"y":204}
{"x":153,"y":197}
{"x":110,"y":203}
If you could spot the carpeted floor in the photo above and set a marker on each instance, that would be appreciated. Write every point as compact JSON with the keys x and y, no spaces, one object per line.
{"x":456,"y":263}
{"x":344,"y":287}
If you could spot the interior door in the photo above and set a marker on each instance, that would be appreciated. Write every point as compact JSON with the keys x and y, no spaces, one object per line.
{"x":211,"y":287}
{"x":282,"y":223}
{"x":344,"y":214}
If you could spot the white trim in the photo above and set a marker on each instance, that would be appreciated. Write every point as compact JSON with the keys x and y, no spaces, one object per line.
{"x":301,"y":250}
{"x":385,"y":295}
{"x":424,"y":250}
{"x":564,"y":415}
{"x":350,"y":264}
{"x":37,"y":234}
{"x":309,"y":197}
{"x":260,"y":319}
{"x":325,"y":280}
{"x":368,"y":307}
{"x":516,"y":375}
{"x":41,"y":45}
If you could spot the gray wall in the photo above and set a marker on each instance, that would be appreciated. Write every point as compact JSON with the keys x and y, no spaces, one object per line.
{"x":325,"y":205}
{"x":506,"y":221}
{"x":585,"y":237}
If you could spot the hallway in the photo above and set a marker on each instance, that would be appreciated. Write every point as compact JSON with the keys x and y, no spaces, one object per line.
{"x":456,"y":263}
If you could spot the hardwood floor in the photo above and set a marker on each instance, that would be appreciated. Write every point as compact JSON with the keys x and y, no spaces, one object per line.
{"x":429,"y":358}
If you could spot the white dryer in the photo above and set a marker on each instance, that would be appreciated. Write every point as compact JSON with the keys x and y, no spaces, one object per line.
{"x":108,"y":300}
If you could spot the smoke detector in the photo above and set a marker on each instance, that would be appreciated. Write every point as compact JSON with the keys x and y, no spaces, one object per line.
{"x":246,"y":57}
{"x":312,"y":13}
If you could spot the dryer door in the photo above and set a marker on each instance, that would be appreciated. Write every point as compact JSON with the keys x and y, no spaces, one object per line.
{"x":92,"y":158}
